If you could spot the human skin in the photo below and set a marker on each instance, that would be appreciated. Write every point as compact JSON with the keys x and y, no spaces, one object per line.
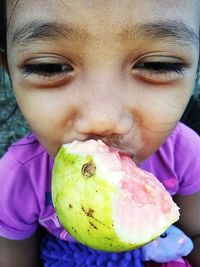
{"x":105,"y":88}
{"x":106,"y":95}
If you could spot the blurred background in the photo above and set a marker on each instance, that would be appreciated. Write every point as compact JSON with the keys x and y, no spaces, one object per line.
{"x":13,"y":126}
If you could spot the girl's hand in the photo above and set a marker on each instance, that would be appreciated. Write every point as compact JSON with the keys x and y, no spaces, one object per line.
{"x":19,"y":253}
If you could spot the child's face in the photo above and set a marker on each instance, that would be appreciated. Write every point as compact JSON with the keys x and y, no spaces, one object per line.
{"x":121,"y":71}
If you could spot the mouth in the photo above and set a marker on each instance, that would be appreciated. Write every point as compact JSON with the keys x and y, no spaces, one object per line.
{"x":123,"y":153}
{"x":115,"y":144}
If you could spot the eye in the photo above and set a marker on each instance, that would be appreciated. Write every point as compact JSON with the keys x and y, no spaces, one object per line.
{"x":46,"y":69}
{"x":161,"y":67}
{"x":160,"y":70}
{"x":164,"y":235}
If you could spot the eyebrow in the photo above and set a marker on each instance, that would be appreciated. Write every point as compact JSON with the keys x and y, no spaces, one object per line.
{"x":172,"y":30}
{"x":46,"y":30}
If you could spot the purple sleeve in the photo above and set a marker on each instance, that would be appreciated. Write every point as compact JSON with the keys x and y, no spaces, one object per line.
{"x":187,"y":161}
{"x":19,"y":206}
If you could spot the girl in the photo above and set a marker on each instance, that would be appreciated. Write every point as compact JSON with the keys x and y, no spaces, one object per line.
{"x":121,"y":71}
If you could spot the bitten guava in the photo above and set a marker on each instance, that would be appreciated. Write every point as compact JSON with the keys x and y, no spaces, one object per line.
{"x":105,"y":201}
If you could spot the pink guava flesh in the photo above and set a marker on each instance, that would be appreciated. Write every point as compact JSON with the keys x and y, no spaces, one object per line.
{"x":141,"y":203}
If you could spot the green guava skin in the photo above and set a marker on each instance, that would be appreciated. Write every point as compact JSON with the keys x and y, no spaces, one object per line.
{"x":84,"y":204}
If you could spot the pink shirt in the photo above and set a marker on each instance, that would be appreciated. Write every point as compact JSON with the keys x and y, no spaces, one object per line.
{"x":25,"y":181}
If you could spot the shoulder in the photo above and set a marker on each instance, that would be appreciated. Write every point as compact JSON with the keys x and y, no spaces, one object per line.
{"x":187,"y":160}
{"x":25,"y":176}
{"x":26,"y":154}
{"x":185,"y":137}
{"x":185,"y":146}
{"x":182,"y":144}
{"x":28,"y":162}
{"x":25,"y":149}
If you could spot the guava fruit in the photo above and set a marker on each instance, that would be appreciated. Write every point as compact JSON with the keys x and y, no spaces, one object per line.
{"x":105,"y":201}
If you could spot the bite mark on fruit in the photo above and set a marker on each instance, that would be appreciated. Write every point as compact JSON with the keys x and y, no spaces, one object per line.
{"x":89,"y":169}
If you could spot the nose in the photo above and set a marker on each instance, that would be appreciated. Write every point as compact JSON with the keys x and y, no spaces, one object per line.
{"x":104,"y":116}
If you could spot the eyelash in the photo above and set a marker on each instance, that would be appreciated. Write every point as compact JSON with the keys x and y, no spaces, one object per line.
{"x":161,"y":67}
{"x":48,"y":70}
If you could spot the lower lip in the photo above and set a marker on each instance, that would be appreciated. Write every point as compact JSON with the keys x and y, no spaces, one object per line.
{"x":125,"y":153}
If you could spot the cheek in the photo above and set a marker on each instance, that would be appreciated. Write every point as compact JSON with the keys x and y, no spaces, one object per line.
{"x":50,"y":114}
{"x":156,"y":118}
{"x":153,"y":125}
{"x":149,"y":142}
{"x":164,"y":109}
{"x":153,"y":139}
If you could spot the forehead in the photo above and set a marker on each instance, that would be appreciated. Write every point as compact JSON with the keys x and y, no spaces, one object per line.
{"x":91,"y":13}
{"x":101,"y":19}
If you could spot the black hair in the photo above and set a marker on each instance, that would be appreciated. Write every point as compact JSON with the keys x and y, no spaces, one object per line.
{"x":3,"y":27}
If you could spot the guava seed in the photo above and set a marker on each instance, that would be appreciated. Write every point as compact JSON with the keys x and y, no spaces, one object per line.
{"x":88,"y":169}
